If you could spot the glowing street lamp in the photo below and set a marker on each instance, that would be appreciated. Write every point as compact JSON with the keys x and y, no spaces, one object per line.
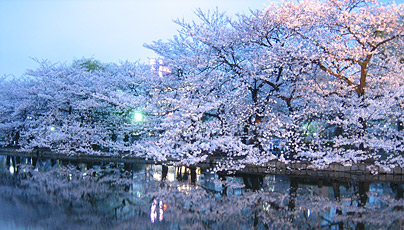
{"x":138,"y":116}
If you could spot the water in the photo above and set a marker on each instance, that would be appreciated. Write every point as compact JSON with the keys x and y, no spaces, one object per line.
{"x":45,"y":194}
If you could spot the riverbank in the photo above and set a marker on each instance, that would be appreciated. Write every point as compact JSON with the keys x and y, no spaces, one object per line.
{"x":358,"y":172}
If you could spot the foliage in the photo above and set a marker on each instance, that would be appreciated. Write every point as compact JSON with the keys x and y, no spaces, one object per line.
{"x":70,"y":109}
{"x":318,"y":80}
{"x":266,"y":76}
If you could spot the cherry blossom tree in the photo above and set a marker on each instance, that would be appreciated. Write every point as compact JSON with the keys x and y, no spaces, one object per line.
{"x":14,"y":94}
{"x":298,"y":72}
{"x":309,"y":80}
{"x":352,"y":42}
{"x":88,"y":107}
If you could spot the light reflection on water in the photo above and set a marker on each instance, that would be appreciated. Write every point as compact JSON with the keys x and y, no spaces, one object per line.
{"x":45,"y":194}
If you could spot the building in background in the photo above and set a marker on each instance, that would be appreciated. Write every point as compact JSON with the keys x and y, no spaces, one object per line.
{"x":158,"y":67}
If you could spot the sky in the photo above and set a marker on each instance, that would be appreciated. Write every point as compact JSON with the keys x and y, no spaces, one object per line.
{"x":62,"y":31}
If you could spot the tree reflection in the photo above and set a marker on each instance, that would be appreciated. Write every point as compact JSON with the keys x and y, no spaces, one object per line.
{"x":337,"y":196}
{"x":253,"y":182}
{"x":128,"y":196}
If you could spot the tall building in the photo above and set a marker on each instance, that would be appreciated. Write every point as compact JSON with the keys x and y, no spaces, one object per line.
{"x":158,"y":67}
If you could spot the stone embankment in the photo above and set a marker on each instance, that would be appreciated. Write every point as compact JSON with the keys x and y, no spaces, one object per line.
{"x":357,"y":172}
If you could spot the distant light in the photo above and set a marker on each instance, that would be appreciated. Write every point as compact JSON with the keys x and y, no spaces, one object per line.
{"x":52,"y":128}
{"x":157,"y":176}
{"x":12,"y":170}
{"x":170,"y":176}
{"x":161,"y":216}
{"x":164,"y":69}
{"x":138,"y":116}
{"x":153,"y":211}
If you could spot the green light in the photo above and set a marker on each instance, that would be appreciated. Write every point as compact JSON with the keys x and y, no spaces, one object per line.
{"x":138,"y":116}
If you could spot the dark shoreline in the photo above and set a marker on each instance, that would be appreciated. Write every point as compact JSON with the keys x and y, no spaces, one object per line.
{"x":358,"y":172}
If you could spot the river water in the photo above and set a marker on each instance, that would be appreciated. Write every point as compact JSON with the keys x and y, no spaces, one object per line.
{"x":53,"y":194}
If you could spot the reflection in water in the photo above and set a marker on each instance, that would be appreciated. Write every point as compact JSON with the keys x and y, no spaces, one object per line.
{"x":157,"y":210}
{"x":45,"y":194}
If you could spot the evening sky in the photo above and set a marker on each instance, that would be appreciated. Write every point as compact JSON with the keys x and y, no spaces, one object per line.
{"x":106,"y":30}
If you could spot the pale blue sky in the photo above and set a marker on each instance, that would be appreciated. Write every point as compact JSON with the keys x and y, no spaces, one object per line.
{"x":107,"y":30}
